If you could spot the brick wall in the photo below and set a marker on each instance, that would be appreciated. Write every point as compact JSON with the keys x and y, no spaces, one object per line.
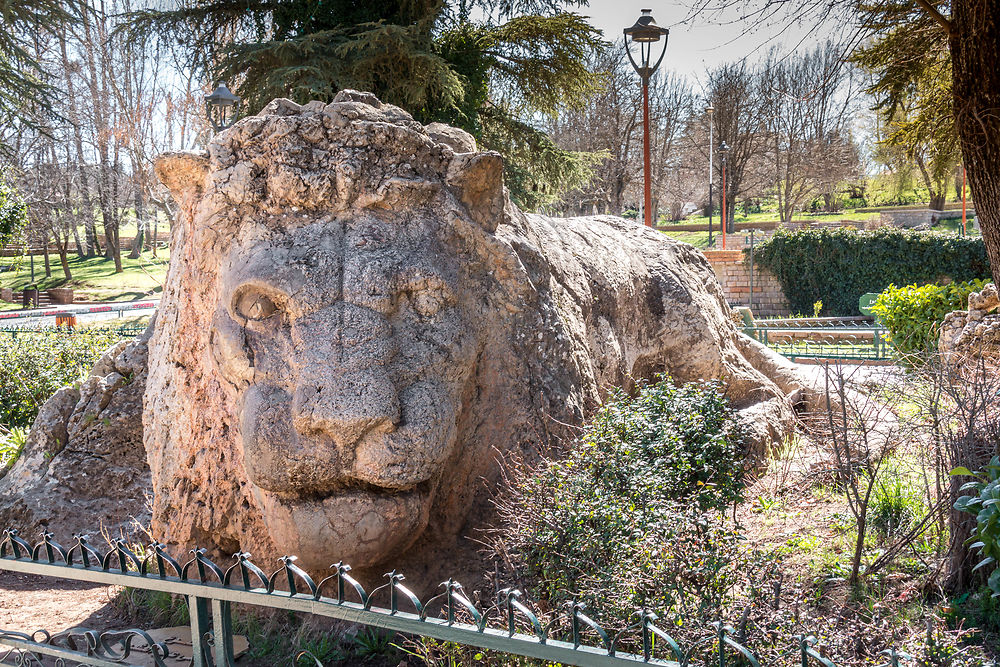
{"x":734,"y":276}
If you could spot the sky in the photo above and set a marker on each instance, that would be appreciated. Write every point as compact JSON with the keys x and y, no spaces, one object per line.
{"x":698,"y":44}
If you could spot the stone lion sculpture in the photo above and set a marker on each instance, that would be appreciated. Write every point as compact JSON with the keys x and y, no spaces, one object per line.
{"x":357,"y":325}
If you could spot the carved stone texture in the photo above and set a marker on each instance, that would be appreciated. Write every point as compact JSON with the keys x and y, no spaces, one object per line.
{"x":83,"y":469}
{"x":973,"y":335}
{"x":357,"y":323}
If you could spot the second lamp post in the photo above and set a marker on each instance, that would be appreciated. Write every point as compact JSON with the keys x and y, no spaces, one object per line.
{"x":645,"y":33}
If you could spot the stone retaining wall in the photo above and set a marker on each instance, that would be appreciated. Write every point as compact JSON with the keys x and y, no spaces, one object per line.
{"x":734,"y":276}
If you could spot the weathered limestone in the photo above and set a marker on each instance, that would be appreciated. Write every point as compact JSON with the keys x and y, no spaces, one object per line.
{"x":973,"y":334}
{"x":83,"y":469}
{"x":357,"y":323}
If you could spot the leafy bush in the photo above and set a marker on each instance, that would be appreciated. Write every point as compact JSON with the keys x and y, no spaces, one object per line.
{"x":34,"y":364}
{"x":13,"y":213}
{"x":985,"y":506}
{"x":837,"y":266}
{"x":632,"y":516}
{"x":913,"y":314}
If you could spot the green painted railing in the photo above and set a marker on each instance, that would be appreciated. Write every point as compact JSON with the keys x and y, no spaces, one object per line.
{"x":508,"y":626}
{"x":805,"y":340}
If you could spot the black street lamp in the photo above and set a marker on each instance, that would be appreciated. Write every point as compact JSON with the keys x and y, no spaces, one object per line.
{"x":724,"y":214}
{"x":222,"y":106}
{"x":645,"y":33}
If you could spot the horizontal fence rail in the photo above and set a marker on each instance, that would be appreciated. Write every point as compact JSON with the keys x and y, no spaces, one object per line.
{"x":509,"y":625}
{"x":120,"y":307}
{"x":819,"y":338}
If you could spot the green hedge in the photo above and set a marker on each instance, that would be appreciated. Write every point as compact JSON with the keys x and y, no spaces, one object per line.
{"x":913,"y":314}
{"x":34,"y":364}
{"x":837,"y":266}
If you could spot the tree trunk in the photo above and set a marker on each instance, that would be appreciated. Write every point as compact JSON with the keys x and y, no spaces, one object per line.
{"x":76,"y":239}
{"x":88,"y":206}
{"x":45,"y":250}
{"x":975,"y":56}
{"x":140,"y":226}
{"x":63,"y":250}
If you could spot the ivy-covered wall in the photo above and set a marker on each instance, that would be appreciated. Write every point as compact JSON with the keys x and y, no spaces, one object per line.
{"x":837,"y":266}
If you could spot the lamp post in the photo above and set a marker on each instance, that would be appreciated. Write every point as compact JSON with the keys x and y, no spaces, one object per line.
{"x":222,"y":106}
{"x":724,"y":214}
{"x":645,"y":33}
{"x":711,"y":169}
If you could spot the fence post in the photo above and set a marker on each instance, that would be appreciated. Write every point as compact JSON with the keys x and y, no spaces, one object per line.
{"x":198,"y":613}
{"x":222,"y":634}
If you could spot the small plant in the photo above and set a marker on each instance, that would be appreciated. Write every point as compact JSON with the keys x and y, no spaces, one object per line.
{"x":895,"y":502}
{"x":985,"y":505}
{"x":11,"y":445}
{"x":817,"y":308}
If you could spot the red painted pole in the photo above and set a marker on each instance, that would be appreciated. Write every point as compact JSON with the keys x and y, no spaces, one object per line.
{"x":964,"y":232}
{"x":722,"y":215}
{"x":647,"y":199}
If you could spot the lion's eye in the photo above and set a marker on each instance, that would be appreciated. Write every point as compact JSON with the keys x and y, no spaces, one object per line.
{"x":252,"y":305}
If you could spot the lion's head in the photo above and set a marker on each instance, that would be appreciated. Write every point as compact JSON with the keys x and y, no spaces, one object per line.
{"x":331,"y":297}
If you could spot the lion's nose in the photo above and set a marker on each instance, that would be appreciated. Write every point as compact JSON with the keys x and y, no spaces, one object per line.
{"x":347,"y":406}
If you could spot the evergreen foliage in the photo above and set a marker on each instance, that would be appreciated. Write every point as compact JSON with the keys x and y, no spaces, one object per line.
{"x":837,"y":266}
{"x":25,"y":92}
{"x":984,"y":504}
{"x":491,"y":77}
{"x":36,"y":364}
{"x":913,"y":314}
{"x":910,"y":65}
{"x":13,"y":213}
{"x":632,"y":516}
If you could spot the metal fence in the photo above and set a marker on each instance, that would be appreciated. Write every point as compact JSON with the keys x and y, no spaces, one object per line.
{"x":509,"y":625}
{"x":823,"y":338}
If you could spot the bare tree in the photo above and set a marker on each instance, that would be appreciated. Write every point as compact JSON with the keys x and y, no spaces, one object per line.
{"x":610,"y":122}
{"x":738,"y":94}
{"x":808,"y":125}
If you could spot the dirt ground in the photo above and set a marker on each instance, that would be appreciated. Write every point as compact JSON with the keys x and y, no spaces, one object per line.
{"x":29,"y":603}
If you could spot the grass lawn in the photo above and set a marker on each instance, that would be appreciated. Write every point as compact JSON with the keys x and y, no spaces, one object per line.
{"x":954,"y":225}
{"x":770,"y":216}
{"x":697,"y":239}
{"x":95,"y":279}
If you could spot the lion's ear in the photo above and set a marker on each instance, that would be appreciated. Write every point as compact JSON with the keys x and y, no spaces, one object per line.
{"x":477,"y":179}
{"x":182,"y":172}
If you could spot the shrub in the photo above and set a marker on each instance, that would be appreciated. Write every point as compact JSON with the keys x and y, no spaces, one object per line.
{"x":913,"y":314}
{"x":837,"y":266}
{"x":34,"y":364}
{"x":632,"y":516}
{"x":13,"y":213}
{"x":984,"y":504}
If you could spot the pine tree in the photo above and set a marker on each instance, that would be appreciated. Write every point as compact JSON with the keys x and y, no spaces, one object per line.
{"x":492,"y":77}
{"x":25,"y":92}
{"x":910,"y":64}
